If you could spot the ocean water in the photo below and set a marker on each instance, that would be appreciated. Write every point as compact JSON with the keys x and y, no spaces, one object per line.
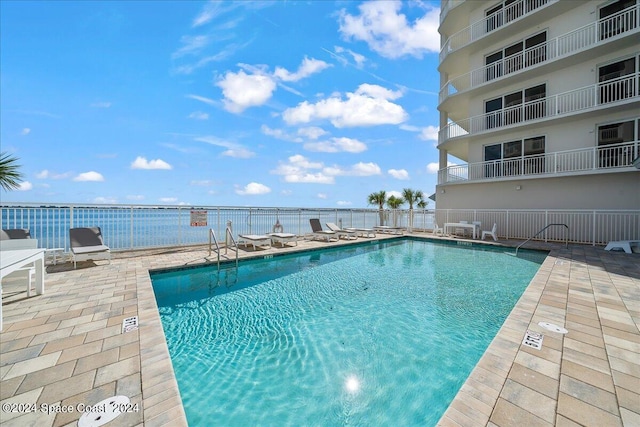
{"x":377,"y":334}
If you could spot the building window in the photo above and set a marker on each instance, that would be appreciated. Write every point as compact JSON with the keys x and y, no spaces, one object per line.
{"x":617,"y":81}
{"x":617,"y":18}
{"x":515,"y":157}
{"x":534,"y":99}
{"x":525,"y":53}
{"x":615,"y":143}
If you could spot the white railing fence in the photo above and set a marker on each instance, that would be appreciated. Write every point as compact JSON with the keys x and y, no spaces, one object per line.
{"x":127,"y":227}
{"x":594,"y":227}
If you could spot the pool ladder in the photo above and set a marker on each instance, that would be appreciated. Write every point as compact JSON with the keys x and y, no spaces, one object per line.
{"x":228,"y":238}
{"x":566,"y":235}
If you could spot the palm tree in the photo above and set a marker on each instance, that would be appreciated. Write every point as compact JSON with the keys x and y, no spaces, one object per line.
{"x":10,"y":176}
{"x":379,"y":199}
{"x":411,"y":197}
{"x":394,"y":203}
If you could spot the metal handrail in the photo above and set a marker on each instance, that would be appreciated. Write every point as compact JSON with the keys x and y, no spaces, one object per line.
{"x":229,"y":234}
{"x":566,"y":236}
{"x":212,"y":237}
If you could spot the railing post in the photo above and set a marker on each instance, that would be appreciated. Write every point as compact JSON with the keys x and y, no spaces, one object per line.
{"x":131,"y":228}
{"x":179,"y":226}
{"x":593,"y":231}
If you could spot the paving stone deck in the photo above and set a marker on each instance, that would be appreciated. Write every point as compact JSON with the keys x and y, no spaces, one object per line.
{"x":66,"y":348}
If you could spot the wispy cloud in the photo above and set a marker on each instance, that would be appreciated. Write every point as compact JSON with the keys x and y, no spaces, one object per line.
{"x":25,"y":186}
{"x":336,"y":145}
{"x":308,"y":67}
{"x":401,"y":174}
{"x":103,"y":104}
{"x":199,"y":115}
{"x":202,"y":99}
{"x":25,"y":131}
{"x":142,"y":163}
{"x":191,"y":45}
{"x":298,"y":169}
{"x":46,"y":174}
{"x":233,"y":149}
{"x":89,"y":176}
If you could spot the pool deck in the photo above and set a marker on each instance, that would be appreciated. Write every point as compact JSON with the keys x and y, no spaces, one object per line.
{"x":67,"y":348}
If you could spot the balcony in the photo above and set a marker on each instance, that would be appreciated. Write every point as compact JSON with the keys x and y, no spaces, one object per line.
{"x":479,"y":29}
{"x":572,"y":162}
{"x":598,"y":96}
{"x":447,"y":5}
{"x":586,"y":37}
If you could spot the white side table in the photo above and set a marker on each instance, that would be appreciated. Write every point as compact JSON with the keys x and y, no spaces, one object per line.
{"x":54,"y":253}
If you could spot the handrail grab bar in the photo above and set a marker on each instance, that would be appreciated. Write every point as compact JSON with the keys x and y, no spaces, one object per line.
{"x":235,"y":244}
{"x":212,"y":237}
{"x":566,"y":236}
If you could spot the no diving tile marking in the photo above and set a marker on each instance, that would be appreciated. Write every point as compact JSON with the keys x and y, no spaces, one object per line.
{"x":533,"y":340}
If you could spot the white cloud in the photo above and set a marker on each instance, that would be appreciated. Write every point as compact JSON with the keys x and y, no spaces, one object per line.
{"x":398,"y":173}
{"x":343,"y":203}
{"x":252,"y":189}
{"x":306,"y":68}
{"x":142,"y":163}
{"x":199,"y":115}
{"x":46,"y":174}
{"x":299,"y":169}
{"x":25,"y":131}
{"x":311,"y":132}
{"x":233,"y":149}
{"x":369,"y":105}
{"x":201,"y":183}
{"x":103,"y":104}
{"x":279,"y":134}
{"x":135,"y":197}
{"x":322,"y":196}
{"x":25,"y":186}
{"x":358,"y":58}
{"x":168,"y":199}
{"x":388,"y":32}
{"x":429,"y":133}
{"x":336,"y":145}
{"x":242,"y":90}
{"x":394,"y":193}
{"x":89,"y":176}
{"x":105,"y":200}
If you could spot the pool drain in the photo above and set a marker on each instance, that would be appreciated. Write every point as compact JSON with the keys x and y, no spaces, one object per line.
{"x":533,"y":340}
{"x":129,"y":324}
{"x":103,"y":411}
{"x":553,"y":328}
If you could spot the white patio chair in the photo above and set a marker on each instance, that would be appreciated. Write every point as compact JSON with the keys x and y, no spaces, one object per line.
{"x":491,"y":233}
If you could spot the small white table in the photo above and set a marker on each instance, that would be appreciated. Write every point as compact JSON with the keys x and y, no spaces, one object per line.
{"x":454,"y":225}
{"x":13,"y":260}
{"x":54,"y":253}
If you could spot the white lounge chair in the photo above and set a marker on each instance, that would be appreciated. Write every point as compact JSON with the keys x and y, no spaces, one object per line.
{"x":317,"y":230}
{"x":363,"y":232}
{"x":254,"y":240}
{"x":625,"y":245}
{"x":389,"y":230}
{"x":283,"y":238}
{"x":491,"y":233}
{"x":437,"y":230}
{"x":86,"y":244}
{"x":346,"y":234}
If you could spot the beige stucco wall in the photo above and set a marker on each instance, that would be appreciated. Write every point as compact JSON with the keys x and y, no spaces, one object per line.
{"x":600,"y":191}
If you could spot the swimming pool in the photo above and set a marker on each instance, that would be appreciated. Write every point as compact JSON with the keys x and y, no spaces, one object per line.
{"x":374,"y":334}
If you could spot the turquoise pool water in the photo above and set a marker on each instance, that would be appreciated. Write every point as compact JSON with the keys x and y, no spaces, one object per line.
{"x":371,"y":335}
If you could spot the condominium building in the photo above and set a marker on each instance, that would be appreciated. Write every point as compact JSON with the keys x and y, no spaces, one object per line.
{"x":539,"y":104}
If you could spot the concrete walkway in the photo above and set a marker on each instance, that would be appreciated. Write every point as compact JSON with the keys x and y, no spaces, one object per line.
{"x":65,"y":350}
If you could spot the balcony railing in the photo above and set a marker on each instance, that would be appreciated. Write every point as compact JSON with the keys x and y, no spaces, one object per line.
{"x":567,"y":44}
{"x":612,"y":156}
{"x":599,"y":95}
{"x":481,"y":28}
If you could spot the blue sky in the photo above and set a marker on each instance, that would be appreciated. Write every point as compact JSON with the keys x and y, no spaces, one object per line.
{"x":293,"y":104}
